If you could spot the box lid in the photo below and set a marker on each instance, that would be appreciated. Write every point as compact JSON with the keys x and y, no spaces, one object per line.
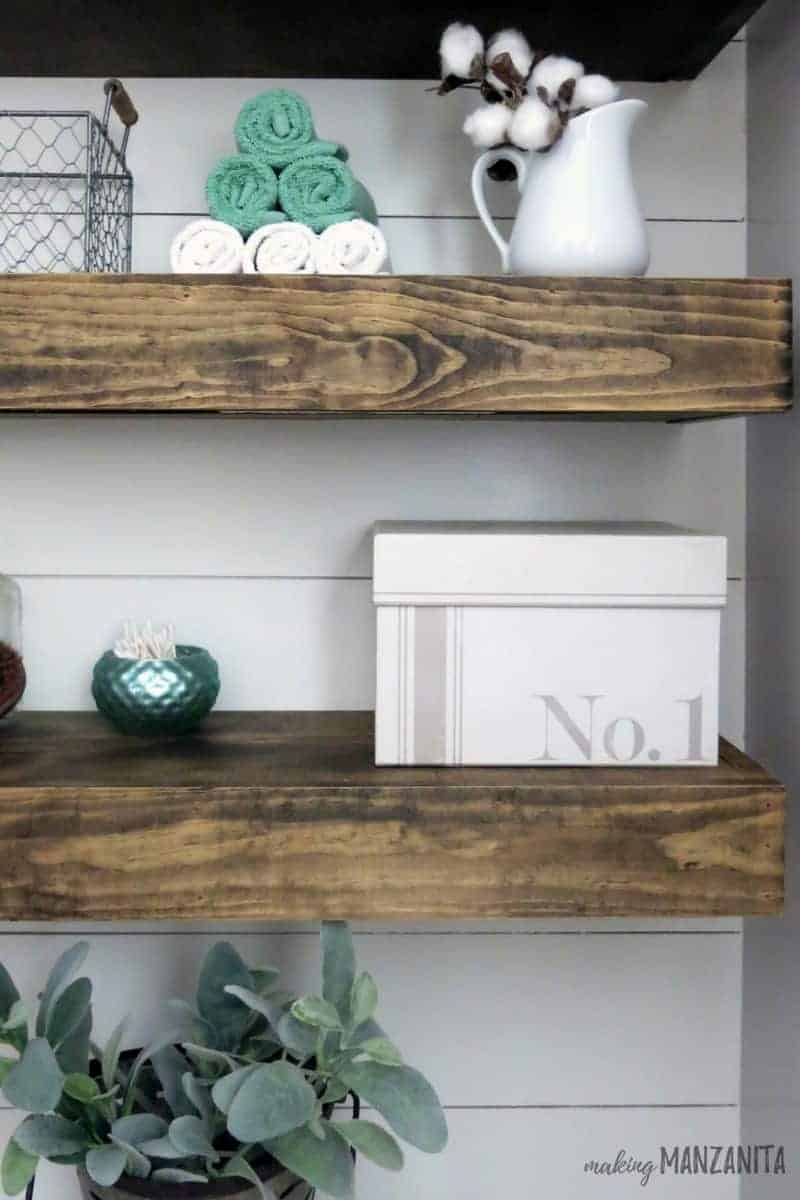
{"x":531,"y":563}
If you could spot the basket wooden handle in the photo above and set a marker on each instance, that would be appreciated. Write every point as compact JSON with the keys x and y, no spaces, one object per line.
{"x":121,"y":102}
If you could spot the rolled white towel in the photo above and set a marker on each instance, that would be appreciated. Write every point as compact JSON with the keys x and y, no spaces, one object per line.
{"x":207,"y":247}
{"x":352,"y":248}
{"x":288,"y":248}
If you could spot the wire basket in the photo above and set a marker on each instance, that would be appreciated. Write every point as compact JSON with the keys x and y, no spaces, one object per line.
{"x":66,"y":193}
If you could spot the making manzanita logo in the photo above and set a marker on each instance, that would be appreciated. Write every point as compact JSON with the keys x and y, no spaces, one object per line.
{"x":763,"y":1159}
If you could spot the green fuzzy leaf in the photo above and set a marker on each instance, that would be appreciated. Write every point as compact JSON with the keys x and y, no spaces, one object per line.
{"x":136,"y":1163}
{"x":206,"y":1055}
{"x":223,"y":967}
{"x":363,"y":999}
{"x":298,"y":1037}
{"x":373,"y":1142}
{"x":110,"y":1060}
{"x":198,"y":1092}
{"x":313,"y":1010}
{"x":68,"y":1012}
{"x":17,"y":1170}
{"x":6,"y":1065}
{"x":70,"y":961}
{"x":338,"y":966}
{"x":82,"y":1088}
{"x":35,"y":1083}
{"x":199,"y":1027}
{"x":166,"y":1039}
{"x":73,"y":1053}
{"x":240,"y":1168}
{"x":170,"y":1067}
{"x":189,"y":1135}
{"x":334,"y":1092}
{"x":175,"y":1175}
{"x":404,"y":1098}
{"x":327,"y":1164}
{"x":252,"y":1000}
{"x":139,"y":1127}
{"x":17,"y":1016}
{"x":367,"y":1029}
{"x":51,"y":1137}
{"x":224,"y":1090}
{"x":161,"y":1148}
{"x":275,"y":1099}
{"x":265,"y":979}
{"x":381,"y":1050}
{"x":8,"y":993}
{"x":105,"y":1164}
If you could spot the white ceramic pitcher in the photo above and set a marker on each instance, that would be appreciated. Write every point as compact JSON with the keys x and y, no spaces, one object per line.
{"x":579,"y":213}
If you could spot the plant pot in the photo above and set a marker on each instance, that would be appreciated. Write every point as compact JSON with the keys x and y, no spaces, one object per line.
{"x":283,"y":1183}
{"x":156,"y":697}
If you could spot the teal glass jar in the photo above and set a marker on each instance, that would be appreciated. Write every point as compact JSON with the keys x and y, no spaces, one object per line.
{"x":156,"y":697}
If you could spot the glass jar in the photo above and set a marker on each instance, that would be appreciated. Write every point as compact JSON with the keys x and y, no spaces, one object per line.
{"x":12,"y":671}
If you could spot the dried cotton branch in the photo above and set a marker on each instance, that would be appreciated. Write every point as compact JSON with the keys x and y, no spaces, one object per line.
{"x":511,"y":48}
{"x":530,"y":97}
{"x":146,"y":643}
{"x":488,"y":126}
{"x":551,"y":74}
{"x":534,"y":126}
{"x":593,"y":91}
{"x":461,"y":54}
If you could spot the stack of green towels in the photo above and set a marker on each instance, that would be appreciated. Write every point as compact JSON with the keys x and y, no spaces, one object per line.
{"x":283,"y":171}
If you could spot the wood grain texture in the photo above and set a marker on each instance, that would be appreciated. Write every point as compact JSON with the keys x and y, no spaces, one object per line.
{"x":283,"y":816}
{"x":401,"y":345}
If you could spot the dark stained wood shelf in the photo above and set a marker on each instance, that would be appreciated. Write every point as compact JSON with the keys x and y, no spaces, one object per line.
{"x":283,"y":816}
{"x":665,"y":39}
{"x":403,"y":345}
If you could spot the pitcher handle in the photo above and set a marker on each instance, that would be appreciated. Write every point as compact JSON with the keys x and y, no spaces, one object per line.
{"x":487,"y":160}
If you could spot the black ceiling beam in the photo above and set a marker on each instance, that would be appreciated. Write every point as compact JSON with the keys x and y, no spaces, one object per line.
{"x":648,"y":40}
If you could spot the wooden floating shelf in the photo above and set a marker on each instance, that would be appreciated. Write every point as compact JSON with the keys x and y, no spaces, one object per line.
{"x":283,"y":816}
{"x":243,"y":37}
{"x":403,"y":345}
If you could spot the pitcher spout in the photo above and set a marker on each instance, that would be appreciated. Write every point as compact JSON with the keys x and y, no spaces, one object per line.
{"x":615,"y":120}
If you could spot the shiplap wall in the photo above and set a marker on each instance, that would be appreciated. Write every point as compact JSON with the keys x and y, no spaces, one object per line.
{"x":550,"y":1042}
{"x":771,"y":1005}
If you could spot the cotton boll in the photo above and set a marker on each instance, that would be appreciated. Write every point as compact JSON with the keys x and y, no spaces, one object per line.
{"x":460,"y":46}
{"x":554,"y":71}
{"x":534,"y":126}
{"x":488,"y":126}
{"x":515,"y":45}
{"x":592,"y":91}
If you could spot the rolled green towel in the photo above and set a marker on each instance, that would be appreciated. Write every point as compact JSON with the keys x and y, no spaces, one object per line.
{"x":321,"y":190}
{"x":243,"y":193}
{"x":277,"y":128}
{"x":365,"y":204}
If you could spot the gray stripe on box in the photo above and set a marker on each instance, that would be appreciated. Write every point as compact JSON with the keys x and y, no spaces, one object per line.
{"x":430,"y":680}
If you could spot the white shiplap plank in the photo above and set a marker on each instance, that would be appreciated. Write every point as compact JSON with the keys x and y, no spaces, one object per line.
{"x":514,"y":1155}
{"x":504,"y":1154}
{"x":491,"y":1019}
{"x":216,"y":496}
{"x":411,"y":152}
{"x":281,"y":644}
{"x":461,"y":246}
{"x":520,"y":927}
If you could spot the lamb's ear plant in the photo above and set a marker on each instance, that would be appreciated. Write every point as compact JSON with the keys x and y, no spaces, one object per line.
{"x":250,"y":1072}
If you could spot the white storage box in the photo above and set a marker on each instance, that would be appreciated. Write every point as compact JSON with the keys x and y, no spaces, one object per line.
{"x":529,"y":644}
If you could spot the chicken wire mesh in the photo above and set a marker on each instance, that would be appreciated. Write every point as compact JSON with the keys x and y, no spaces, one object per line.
{"x":66,"y":193}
